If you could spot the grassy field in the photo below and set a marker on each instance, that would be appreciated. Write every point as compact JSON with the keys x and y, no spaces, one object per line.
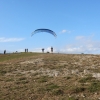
{"x":37,"y":76}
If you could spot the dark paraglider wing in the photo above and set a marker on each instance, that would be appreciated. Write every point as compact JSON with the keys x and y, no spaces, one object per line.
{"x":44,"y":30}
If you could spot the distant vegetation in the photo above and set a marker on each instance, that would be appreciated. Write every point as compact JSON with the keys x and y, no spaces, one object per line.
{"x":16,"y":56}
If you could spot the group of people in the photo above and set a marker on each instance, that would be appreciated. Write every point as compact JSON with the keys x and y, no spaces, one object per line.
{"x":26,"y":50}
{"x":48,"y":52}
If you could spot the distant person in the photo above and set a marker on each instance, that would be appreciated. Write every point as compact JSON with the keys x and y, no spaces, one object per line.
{"x":42,"y":50}
{"x":51,"y":49}
{"x":4,"y":51}
{"x":27,"y":50}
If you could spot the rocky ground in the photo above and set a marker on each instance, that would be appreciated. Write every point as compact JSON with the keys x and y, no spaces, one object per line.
{"x":51,"y":77}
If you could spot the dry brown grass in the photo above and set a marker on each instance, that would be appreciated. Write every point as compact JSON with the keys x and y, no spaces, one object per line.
{"x":49,"y":77}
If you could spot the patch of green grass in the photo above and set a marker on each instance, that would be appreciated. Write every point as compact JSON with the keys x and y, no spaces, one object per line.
{"x":78,"y":89}
{"x":41,"y":90}
{"x":89,"y":78}
{"x":43,"y":79}
{"x":22,"y":78}
{"x":95,"y":86}
{"x":58,"y":92}
{"x":10,"y":80}
{"x":72,"y":98}
{"x":22,"y":82}
{"x":2,"y":72}
{"x":51,"y":86}
{"x":16,"y":56}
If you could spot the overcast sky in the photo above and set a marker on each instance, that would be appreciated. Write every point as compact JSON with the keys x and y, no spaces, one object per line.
{"x":76,"y":23}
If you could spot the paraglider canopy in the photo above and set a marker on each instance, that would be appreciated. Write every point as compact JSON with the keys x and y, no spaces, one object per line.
{"x":44,"y":30}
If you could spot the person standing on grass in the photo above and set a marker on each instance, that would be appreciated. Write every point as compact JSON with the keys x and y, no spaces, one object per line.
{"x":27,"y":50}
{"x":42,"y":50}
{"x":51,"y":49}
{"x":4,"y":51}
